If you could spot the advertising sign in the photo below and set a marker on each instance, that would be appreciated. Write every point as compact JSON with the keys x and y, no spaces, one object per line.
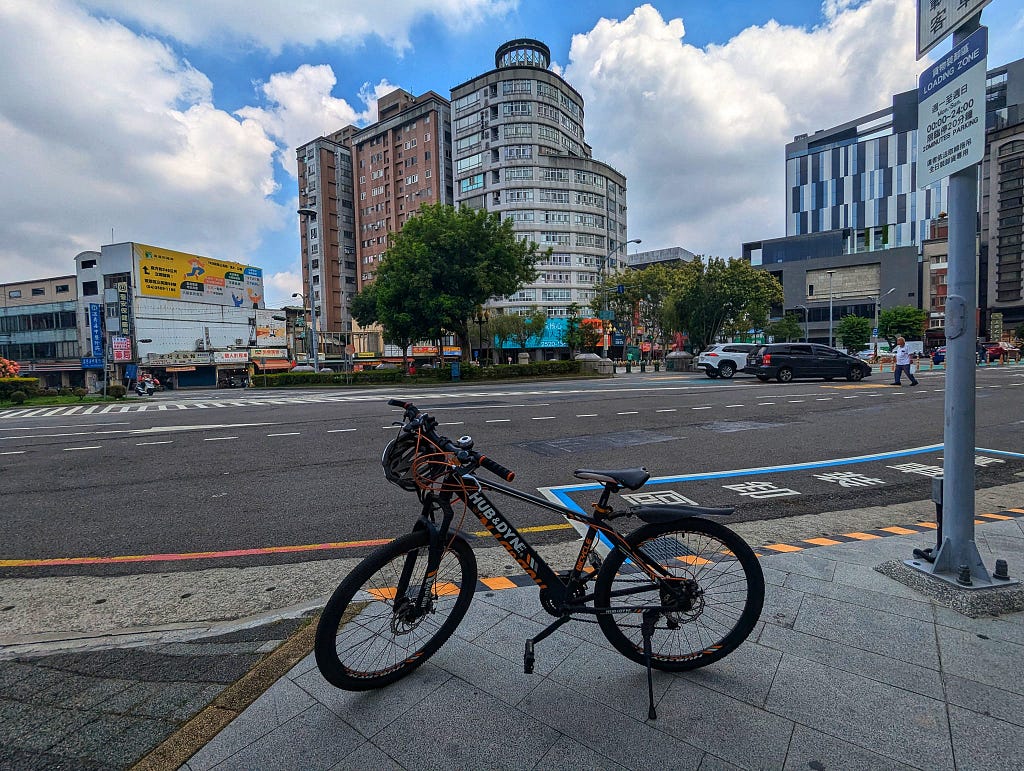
{"x":230,"y":357}
{"x":122,"y":348}
{"x":178,"y":357}
{"x":937,"y":19}
{"x":452,"y":350}
{"x":124,"y":308}
{"x":424,"y":350}
{"x":951,"y":111}
{"x":268,"y":353}
{"x":92,"y":362}
{"x":181,"y":276}
{"x":270,"y":331}
{"x":96,"y":329}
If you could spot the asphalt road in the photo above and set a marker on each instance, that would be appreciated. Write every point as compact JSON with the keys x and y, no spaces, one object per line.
{"x":251,"y":471}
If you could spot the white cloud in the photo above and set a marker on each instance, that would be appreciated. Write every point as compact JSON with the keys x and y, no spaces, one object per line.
{"x":300,"y":108}
{"x":111,"y":130}
{"x":700,"y":133}
{"x":272,"y":24}
{"x":279,"y":287}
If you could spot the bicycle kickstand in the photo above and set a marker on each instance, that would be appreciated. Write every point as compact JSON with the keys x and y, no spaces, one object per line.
{"x":528,"y":657}
{"x":647,"y":628}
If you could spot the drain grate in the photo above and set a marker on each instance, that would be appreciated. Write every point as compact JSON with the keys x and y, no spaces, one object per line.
{"x":728,"y":426}
{"x":574,"y":444}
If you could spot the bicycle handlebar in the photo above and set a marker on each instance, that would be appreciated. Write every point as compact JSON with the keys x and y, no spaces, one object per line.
{"x":412,"y":413}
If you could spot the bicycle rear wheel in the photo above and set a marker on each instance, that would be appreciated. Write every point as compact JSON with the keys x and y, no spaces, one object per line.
{"x":370,"y":635}
{"x":708,"y":606}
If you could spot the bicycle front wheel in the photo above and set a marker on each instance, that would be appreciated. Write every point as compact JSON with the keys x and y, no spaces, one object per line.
{"x":372,"y":632}
{"x":706,"y":606}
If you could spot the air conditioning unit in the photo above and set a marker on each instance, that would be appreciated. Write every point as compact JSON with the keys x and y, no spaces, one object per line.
{"x":238,"y":341}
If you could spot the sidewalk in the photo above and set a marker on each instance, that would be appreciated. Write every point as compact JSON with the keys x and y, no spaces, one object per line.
{"x":847,"y":669}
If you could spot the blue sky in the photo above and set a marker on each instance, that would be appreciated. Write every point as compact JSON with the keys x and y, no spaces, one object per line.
{"x":175,"y":123}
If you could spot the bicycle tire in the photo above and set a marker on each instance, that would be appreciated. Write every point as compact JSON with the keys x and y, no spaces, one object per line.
{"x":717,"y":560}
{"x":362,"y":643}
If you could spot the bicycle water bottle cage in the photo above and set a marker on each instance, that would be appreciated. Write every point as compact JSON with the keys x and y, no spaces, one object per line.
{"x":630,"y":478}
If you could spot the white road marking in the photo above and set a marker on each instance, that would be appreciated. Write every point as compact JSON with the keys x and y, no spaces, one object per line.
{"x":13,"y":452}
{"x":796,"y":401}
{"x":218,"y":438}
{"x":765,"y":404}
{"x":502,"y":420}
{"x":734,"y":405}
{"x":630,"y":412}
{"x":823,"y":399}
{"x":590,"y":415}
{"x":671,"y":410}
{"x":163,"y":441}
{"x":546,"y":417}
{"x":287,"y":433}
{"x":700,"y":408}
{"x":338,"y":430}
{"x":456,"y":423}
{"x":90,"y":447}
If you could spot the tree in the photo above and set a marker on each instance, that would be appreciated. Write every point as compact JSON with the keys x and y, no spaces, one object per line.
{"x":578,"y":335}
{"x":502,"y":328}
{"x":901,"y":321}
{"x":530,"y":325}
{"x":643,"y":297}
{"x":380,"y":303}
{"x":785,"y":329}
{"x":853,"y":332}
{"x":445,"y":262}
{"x":715,"y":297}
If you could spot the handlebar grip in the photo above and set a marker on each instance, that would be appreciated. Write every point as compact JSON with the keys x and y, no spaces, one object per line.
{"x":409,"y":407}
{"x":497,"y":468}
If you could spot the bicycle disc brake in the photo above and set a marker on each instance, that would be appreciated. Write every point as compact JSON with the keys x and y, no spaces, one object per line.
{"x":682,"y":600}
{"x":406,"y":616}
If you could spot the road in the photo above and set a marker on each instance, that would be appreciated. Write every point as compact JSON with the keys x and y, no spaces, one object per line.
{"x":239,"y":475}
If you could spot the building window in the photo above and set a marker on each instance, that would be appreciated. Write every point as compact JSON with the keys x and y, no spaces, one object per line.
{"x":89,"y":288}
{"x":521,"y":172}
{"x":465,"y":164}
{"x":14,"y":294}
{"x":88,"y":263}
{"x":471,"y":183}
{"x":518,"y":151}
{"x":517,"y":108}
{"x":519,"y":195}
{"x":61,"y":289}
{"x":38,"y":291}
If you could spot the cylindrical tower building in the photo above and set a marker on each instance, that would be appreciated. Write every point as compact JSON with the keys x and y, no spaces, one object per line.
{"x":518,"y":148}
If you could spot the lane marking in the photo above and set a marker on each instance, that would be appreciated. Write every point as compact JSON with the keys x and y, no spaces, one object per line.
{"x":13,"y":452}
{"x":90,"y":447}
{"x":287,"y":433}
{"x":629,"y":412}
{"x":594,"y":414}
{"x":502,"y":420}
{"x":700,"y":408}
{"x":218,"y":438}
{"x":144,"y":444}
{"x":669,"y":410}
{"x":546,"y":417}
{"x":339,"y":430}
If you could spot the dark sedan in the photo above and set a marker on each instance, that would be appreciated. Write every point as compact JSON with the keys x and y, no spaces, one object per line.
{"x":787,"y":361}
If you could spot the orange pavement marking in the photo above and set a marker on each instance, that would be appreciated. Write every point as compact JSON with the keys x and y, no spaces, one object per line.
{"x":862,"y":536}
{"x":784,"y":547}
{"x":691,"y":560}
{"x":822,"y":541}
{"x":1018,"y":511}
{"x":384,"y":594}
{"x":199,"y":555}
{"x":898,"y":530}
{"x":498,"y":582}
{"x":932,"y":525}
{"x":995,"y":516}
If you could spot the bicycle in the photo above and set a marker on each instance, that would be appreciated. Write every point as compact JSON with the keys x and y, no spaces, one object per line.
{"x":678,"y":593}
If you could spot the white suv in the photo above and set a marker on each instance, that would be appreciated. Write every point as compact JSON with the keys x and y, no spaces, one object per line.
{"x":724,"y":359}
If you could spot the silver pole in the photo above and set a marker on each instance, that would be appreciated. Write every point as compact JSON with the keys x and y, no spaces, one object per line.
{"x":958,"y":549}
{"x":830,"y":308}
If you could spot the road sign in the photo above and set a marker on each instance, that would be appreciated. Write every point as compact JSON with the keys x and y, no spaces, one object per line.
{"x":937,"y":19}
{"x":951,"y":111}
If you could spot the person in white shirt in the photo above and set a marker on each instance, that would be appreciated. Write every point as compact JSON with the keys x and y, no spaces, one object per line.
{"x":903,"y":362}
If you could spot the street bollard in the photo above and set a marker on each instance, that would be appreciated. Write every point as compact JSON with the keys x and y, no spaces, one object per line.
{"x":629,"y":367}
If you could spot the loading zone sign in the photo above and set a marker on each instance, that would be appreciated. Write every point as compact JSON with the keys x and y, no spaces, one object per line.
{"x":951,"y":111}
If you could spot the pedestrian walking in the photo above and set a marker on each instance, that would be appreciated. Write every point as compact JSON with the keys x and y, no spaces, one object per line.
{"x":903,"y":362}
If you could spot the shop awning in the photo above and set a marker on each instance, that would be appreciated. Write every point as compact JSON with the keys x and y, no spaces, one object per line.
{"x":273,"y":364}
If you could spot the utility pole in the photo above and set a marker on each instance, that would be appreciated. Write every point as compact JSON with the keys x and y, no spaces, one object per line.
{"x":310,"y":215}
{"x":830,"y":272}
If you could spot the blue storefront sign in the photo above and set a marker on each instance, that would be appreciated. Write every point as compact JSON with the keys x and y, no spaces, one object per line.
{"x":96,"y":329}
{"x":92,"y":362}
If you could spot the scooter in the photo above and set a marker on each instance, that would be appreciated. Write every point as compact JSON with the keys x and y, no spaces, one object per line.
{"x":144,"y":388}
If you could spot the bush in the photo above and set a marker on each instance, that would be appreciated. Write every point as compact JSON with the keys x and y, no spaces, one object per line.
{"x":81,"y":393}
{"x":19,"y":397}
{"x":49,"y":392}
{"x":117,"y":390}
{"x":27,"y":385}
{"x":66,"y":391}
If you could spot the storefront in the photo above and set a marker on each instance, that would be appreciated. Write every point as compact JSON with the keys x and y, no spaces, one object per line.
{"x":267,"y":361}
{"x":182,"y":369}
{"x":232,"y":368}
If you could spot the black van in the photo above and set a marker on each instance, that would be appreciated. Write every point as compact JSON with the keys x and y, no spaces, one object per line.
{"x":785,"y":361}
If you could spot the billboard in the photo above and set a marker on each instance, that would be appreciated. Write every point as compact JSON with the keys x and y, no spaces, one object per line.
{"x":174,"y":275}
{"x":270,"y":331}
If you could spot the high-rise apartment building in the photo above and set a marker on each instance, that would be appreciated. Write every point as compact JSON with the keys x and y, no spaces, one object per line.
{"x":329,"y":274}
{"x":399,"y":163}
{"x":519,"y":149}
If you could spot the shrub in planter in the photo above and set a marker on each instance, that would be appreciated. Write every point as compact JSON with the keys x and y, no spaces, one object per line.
{"x":117,"y":390}
{"x":81,"y":393}
{"x":65,"y":391}
{"x":18,"y":397}
{"x":49,"y":392}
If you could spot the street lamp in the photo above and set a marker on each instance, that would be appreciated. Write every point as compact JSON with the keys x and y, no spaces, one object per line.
{"x":807,"y":335}
{"x":311,"y":214}
{"x":604,"y":266}
{"x":877,"y":299}
{"x":482,"y":317}
{"x":830,"y":272}
{"x":303,"y":298}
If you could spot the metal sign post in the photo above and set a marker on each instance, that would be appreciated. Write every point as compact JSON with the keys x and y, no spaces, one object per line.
{"x":950,"y":117}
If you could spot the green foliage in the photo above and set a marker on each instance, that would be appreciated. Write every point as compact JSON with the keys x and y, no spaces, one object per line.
{"x":853,"y":333}
{"x":8,"y":385}
{"x":117,"y":391}
{"x":786,"y":329}
{"x":708,"y":299}
{"x":579,"y":336}
{"x":901,"y":321}
{"x":528,"y":326}
{"x":18,"y":397}
{"x":50,"y":392}
{"x":644,"y":296}
{"x":81,"y":393}
{"x":440,"y":374}
{"x":440,"y":266}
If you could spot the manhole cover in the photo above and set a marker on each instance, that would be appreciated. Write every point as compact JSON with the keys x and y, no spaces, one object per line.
{"x":728,"y":426}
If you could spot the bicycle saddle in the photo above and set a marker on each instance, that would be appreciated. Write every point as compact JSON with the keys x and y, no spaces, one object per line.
{"x":631,"y":478}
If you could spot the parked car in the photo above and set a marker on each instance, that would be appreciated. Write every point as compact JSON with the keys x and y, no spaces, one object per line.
{"x":724,"y":359}
{"x":939,"y":355}
{"x":387,"y":365}
{"x":786,"y":361}
{"x":995,"y":351}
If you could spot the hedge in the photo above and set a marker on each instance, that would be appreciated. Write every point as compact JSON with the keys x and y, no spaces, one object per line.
{"x":8,"y":385}
{"x":438,"y":375}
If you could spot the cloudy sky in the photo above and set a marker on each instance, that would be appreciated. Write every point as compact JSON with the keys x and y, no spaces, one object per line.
{"x":175,"y":123}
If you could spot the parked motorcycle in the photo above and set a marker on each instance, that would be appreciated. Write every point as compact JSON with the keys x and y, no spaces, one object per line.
{"x":145,"y":387}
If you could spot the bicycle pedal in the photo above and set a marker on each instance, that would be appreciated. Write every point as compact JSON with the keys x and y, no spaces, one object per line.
{"x":528,"y":658}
